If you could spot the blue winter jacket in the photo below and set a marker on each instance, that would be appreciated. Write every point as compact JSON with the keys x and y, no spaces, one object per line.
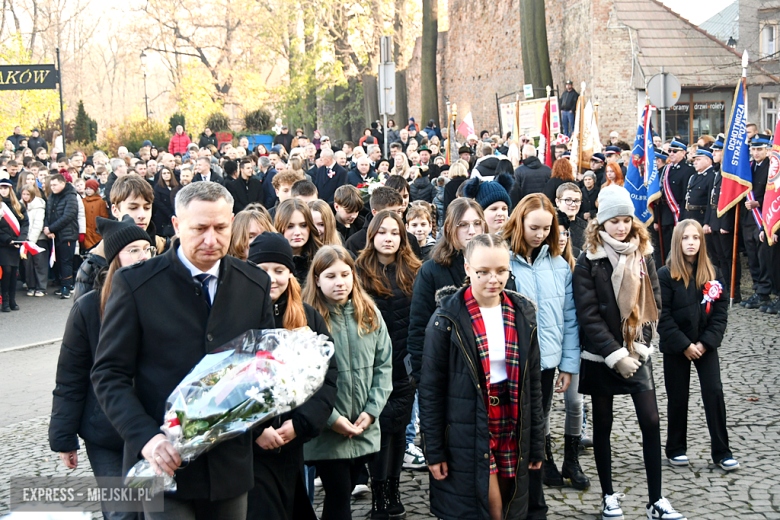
{"x":548,"y":282}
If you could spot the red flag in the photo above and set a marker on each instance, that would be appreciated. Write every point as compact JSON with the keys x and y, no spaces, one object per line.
{"x":29,"y":247}
{"x":771,"y":205}
{"x":466,"y":127}
{"x":545,"y":143}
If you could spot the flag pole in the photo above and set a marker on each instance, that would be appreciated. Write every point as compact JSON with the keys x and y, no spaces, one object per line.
{"x":734,"y":254}
{"x":449,"y":142}
{"x":581,"y":104}
{"x":548,"y":149}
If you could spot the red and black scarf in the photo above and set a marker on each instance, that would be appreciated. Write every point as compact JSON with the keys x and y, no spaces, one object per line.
{"x":512,"y":349}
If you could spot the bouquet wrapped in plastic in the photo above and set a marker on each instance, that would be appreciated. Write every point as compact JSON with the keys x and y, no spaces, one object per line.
{"x":254,"y":377}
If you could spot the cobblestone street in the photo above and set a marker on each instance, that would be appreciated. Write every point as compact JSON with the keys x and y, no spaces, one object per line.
{"x":750,"y":368}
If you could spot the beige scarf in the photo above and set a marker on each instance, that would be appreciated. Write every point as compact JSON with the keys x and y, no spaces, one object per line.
{"x":632,"y":287}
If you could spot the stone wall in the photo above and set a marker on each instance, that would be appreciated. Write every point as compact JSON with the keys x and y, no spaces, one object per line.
{"x":480,"y":55}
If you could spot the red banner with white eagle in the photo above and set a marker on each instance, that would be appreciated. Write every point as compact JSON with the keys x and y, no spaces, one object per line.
{"x":771,"y":204}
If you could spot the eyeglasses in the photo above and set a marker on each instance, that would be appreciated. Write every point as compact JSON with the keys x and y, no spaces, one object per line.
{"x":565,"y":233}
{"x":571,"y":202}
{"x":137,"y":252}
{"x":477,"y":225}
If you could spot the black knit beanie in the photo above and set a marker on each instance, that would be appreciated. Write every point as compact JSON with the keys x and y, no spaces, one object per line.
{"x":118,"y":234}
{"x":271,"y":247}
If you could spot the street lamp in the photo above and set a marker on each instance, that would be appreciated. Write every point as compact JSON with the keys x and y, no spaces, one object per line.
{"x":143,"y":69}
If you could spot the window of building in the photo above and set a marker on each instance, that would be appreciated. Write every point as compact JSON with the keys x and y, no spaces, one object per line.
{"x":678,"y":121}
{"x":708,"y":118}
{"x":769,"y":34}
{"x":768,"y":113}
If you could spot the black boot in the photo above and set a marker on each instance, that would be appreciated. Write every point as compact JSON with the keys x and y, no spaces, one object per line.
{"x":395,"y":509}
{"x":571,"y":464}
{"x":6,"y":305}
{"x":378,"y":500}
{"x":12,"y":299}
{"x":550,"y":474}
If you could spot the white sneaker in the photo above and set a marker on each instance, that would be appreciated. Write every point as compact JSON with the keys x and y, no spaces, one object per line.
{"x":610,"y":507}
{"x":663,"y":510}
{"x":679,"y":460}
{"x":360,"y":490}
{"x":729,"y":464}
{"x":414,"y":458}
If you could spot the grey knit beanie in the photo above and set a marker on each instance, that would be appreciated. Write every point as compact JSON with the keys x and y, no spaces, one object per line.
{"x":614,"y":201}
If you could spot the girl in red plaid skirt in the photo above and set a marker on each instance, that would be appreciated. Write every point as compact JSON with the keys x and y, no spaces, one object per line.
{"x":480,"y":392}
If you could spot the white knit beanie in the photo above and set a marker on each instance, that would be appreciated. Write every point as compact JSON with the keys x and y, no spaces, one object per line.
{"x":614,"y":201}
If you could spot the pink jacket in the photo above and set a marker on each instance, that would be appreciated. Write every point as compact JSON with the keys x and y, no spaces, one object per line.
{"x":179,"y":143}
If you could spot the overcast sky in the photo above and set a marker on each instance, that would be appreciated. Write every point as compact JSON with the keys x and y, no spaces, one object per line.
{"x":697,"y":11}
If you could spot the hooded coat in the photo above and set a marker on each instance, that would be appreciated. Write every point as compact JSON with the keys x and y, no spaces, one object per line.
{"x":421,"y":189}
{"x":453,"y":415}
{"x":530,"y":177}
{"x":548,"y":283}
{"x":62,"y":214}
{"x":601,"y":333}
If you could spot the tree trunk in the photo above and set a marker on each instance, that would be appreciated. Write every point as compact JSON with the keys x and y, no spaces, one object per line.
{"x":401,"y":99}
{"x":399,"y":38}
{"x":533,"y":40}
{"x":370,"y":98}
{"x":429,"y":90}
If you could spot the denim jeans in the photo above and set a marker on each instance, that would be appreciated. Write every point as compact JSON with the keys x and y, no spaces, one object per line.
{"x":567,"y":122}
{"x":108,"y":463}
{"x":411,"y":430}
{"x":310,"y":473}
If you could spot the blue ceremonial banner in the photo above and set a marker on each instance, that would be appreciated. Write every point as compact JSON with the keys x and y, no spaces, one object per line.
{"x":642,"y":180}
{"x":735,"y":168}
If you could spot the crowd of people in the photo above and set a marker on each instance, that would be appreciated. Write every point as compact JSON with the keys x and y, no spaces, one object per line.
{"x":459,"y":297}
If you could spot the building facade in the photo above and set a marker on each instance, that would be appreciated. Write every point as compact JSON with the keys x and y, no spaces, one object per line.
{"x":614,"y":47}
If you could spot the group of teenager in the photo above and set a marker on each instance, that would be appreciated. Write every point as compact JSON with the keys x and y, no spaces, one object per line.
{"x":476,"y":311}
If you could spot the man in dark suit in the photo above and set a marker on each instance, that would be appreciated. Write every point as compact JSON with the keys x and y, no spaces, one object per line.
{"x":361,"y":173}
{"x":329,"y":176}
{"x":674,"y":184}
{"x":203,"y":166}
{"x":247,"y":188}
{"x":162,"y":317}
{"x":758,"y":251}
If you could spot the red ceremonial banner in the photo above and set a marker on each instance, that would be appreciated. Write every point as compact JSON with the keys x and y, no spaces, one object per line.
{"x":771,"y":205}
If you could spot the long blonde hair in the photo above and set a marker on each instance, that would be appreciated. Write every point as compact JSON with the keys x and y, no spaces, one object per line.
{"x":679,"y":267}
{"x":15,"y":204}
{"x":242,"y":223}
{"x":331,"y":237}
{"x":514,"y":229}
{"x":365,"y":313}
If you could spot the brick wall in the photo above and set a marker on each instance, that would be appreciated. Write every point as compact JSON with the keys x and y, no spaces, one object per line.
{"x":480,"y":55}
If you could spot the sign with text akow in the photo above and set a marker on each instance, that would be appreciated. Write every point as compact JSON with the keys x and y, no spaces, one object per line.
{"x":28,"y":77}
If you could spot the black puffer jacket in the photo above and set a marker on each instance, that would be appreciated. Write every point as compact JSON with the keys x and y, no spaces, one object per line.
{"x":684,"y":318}
{"x":597,"y":309}
{"x":430,"y":278}
{"x":206,"y":140}
{"x":421,"y":189}
{"x":453,"y":416}
{"x":62,"y":214}
{"x":88,"y":271}
{"x":530,"y":177}
{"x":75,"y":409}
{"x":395,"y":311}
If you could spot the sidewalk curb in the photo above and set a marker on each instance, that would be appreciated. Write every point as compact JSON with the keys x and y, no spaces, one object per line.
{"x":31,"y":345}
